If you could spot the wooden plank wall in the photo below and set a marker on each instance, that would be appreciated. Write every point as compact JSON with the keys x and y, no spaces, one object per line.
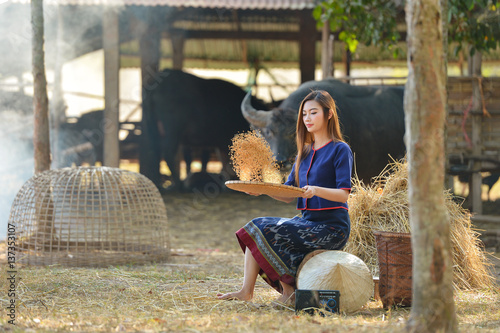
{"x":472,"y":132}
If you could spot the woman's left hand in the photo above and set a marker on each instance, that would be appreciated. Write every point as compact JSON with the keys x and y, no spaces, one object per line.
{"x":310,"y":191}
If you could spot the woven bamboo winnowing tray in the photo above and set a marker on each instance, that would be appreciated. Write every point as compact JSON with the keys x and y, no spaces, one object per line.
{"x":279,"y":190}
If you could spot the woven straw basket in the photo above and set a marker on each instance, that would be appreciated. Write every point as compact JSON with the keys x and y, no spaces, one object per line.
{"x":89,"y":216}
{"x":395,"y":265}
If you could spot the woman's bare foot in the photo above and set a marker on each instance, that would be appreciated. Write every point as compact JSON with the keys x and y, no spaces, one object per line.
{"x":240,"y":295}
{"x":288,"y":299}
{"x":288,"y":294}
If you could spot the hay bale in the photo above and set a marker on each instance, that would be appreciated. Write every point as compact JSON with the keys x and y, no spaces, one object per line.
{"x":337,"y":270}
{"x":384,"y":206}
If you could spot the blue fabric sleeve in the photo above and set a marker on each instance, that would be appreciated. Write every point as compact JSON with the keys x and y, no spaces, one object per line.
{"x":343,"y":163}
{"x":291,"y":177}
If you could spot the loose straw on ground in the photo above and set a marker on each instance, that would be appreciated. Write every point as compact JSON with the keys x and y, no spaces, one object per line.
{"x":384,"y":206}
{"x":253,"y":159}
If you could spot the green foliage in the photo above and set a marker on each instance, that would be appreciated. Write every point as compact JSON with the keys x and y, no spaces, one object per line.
{"x":475,"y":23}
{"x":372,"y":22}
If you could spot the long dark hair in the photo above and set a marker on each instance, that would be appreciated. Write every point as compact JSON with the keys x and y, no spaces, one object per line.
{"x":304,"y":138}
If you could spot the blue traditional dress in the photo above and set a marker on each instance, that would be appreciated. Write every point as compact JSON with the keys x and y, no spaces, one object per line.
{"x":279,"y":244}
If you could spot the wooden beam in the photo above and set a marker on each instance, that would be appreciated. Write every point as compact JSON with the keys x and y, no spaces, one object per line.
{"x":235,"y":34}
{"x":111,"y":48}
{"x":250,"y":34}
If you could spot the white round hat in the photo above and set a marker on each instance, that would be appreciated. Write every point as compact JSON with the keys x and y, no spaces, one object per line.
{"x":337,"y":270}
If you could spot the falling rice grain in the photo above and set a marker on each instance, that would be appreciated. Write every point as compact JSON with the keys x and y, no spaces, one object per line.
{"x":253,"y":159}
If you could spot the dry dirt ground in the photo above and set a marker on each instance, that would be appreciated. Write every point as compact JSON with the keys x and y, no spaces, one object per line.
{"x":179,"y":295}
{"x":205,"y":222}
{"x":208,"y":220}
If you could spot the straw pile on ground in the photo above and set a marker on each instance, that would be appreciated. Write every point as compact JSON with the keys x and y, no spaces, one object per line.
{"x":383,"y":205}
{"x":253,"y":159}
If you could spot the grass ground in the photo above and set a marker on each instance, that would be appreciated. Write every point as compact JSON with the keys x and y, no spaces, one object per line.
{"x":179,"y":296}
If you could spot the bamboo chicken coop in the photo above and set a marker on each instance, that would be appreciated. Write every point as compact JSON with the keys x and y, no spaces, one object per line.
{"x":90,"y":216}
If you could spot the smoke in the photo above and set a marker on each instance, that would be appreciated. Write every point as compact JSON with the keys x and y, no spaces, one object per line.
{"x":17,"y":163}
{"x":70,"y":32}
{"x":16,"y":122}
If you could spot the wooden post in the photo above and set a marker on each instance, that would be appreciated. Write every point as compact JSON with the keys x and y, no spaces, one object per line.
{"x":327,"y":52}
{"x":475,"y":190}
{"x":347,"y":62}
{"x":307,"y":46}
{"x":476,"y":178}
{"x":41,"y":140}
{"x":177,"y":51}
{"x":111,"y":46}
{"x":149,"y":153}
{"x":177,"y":41}
{"x":244,"y":46}
{"x":58,"y":107}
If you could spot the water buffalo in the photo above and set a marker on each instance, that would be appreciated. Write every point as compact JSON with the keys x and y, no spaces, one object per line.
{"x":372,"y":120}
{"x":196,"y":113}
{"x":81,"y":140}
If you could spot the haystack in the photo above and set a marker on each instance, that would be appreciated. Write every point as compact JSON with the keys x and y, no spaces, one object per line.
{"x":384,"y":206}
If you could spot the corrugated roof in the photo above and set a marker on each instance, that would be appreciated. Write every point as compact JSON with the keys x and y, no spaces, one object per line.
{"x":230,"y":4}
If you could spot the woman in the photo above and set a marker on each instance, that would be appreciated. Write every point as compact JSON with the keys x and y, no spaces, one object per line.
{"x":274,"y":247}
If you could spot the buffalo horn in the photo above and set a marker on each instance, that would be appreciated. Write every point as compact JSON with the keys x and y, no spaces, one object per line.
{"x":255,"y":117}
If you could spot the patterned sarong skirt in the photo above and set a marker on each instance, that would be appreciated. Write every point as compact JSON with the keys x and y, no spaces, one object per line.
{"x":279,"y":244}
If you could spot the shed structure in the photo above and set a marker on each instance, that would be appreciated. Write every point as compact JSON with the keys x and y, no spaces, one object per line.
{"x":154,"y":34}
{"x":162,"y":31}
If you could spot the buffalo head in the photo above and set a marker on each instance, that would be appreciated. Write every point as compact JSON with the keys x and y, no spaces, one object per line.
{"x":277,"y":126}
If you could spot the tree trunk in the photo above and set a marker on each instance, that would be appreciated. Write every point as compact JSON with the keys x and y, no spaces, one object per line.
{"x":327,"y":39}
{"x":44,"y":206}
{"x":41,"y":141}
{"x":433,"y":308}
{"x":449,"y":182}
{"x":474,"y":64}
